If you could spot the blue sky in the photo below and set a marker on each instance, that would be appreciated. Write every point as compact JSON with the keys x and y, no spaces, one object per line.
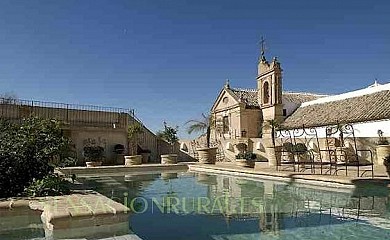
{"x":169,"y":59}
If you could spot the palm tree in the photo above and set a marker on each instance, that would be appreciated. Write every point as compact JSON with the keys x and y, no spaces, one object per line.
{"x":203,"y":125}
{"x":274,"y":125}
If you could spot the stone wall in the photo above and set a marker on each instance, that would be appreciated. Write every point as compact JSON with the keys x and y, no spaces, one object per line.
{"x":88,"y":125}
{"x":98,"y":136}
{"x":68,"y":116}
{"x":254,"y":145}
{"x":148,"y":141}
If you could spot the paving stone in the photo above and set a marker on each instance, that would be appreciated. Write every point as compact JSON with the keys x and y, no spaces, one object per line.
{"x":5,"y":204}
{"x":22,"y":203}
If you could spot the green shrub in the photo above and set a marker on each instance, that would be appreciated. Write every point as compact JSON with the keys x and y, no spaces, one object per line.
{"x":247,"y":156}
{"x":289,"y":147}
{"x":93,"y":153}
{"x":51,"y":185}
{"x":27,"y":152}
{"x":300,"y":148}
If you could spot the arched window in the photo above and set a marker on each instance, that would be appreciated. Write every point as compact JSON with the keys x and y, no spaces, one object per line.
{"x":225,"y":122}
{"x":266,"y":92}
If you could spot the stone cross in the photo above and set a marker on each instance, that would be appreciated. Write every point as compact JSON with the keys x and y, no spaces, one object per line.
{"x":262,"y":44}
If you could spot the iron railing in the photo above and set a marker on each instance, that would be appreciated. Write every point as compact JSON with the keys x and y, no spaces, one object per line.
{"x":68,"y":114}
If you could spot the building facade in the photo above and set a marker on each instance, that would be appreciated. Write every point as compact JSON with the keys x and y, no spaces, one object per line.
{"x":89,"y":125}
{"x":247,"y":115}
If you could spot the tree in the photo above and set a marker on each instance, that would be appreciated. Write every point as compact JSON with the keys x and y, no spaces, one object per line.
{"x":28,"y":152}
{"x":169,"y":134}
{"x":203,"y":125}
{"x":274,"y":125}
{"x":133,"y":132}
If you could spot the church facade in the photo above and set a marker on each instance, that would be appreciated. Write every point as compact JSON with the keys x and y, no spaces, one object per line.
{"x":244,"y":115}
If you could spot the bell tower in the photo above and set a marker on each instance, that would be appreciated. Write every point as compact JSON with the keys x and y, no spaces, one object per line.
{"x":269,"y":86}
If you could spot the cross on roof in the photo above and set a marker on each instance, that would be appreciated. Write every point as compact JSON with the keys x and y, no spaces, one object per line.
{"x":262,"y":44}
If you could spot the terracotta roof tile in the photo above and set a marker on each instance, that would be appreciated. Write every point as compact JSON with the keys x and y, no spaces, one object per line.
{"x":249,"y":96}
{"x":299,"y":98}
{"x":370,"y":107}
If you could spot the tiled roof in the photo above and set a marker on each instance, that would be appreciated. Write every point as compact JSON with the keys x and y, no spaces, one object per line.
{"x":369,"y":107}
{"x":299,"y":98}
{"x":248,"y":96}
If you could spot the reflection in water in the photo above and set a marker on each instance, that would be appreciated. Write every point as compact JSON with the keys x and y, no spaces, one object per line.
{"x":168,"y":175}
{"x":202,"y":206}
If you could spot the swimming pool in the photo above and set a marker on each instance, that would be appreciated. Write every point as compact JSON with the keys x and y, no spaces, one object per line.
{"x":187,"y":205}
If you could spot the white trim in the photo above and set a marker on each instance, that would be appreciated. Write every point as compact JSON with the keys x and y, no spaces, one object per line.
{"x":363,"y":129}
{"x":360,"y":92}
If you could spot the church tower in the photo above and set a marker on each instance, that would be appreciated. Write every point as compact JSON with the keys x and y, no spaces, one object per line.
{"x":269,"y":86}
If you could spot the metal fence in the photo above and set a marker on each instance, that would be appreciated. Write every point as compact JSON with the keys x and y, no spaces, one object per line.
{"x":68,"y":114}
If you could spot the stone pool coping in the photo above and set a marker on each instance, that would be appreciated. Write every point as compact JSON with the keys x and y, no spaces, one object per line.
{"x":123,"y":169}
{"x":259,"y":172}
{"x":80,"y":210}
{"x":288,"y":177}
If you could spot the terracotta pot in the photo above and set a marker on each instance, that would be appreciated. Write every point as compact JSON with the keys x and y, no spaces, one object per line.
{"x":382,"y":151}
{"x":207,"y":155}
{"x":133,"y":160}
{"x":93,"y":164}
{"x":169,"y":159}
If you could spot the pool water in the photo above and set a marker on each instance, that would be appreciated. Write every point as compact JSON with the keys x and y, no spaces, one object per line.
{"x":186,"y":205}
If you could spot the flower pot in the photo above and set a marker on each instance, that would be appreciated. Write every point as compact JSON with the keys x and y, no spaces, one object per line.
{"x":207,"y":155}
{"x":382,"y":151}
{"x":133,"y":160}
{"x":93,"y":164}
{"x":169,"y":159}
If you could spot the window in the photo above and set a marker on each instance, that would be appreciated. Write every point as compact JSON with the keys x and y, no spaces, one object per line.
{"x":225,"y":121}
{"x":265,"y":93}
{"x":284,"y":112}
{"x":225,"y":100}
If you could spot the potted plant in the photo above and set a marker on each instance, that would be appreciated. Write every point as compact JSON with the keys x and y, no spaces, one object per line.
{"x":169,"y":134}
{"x":383,"y":147}
{"x":133,"y":131}
{"x":386,"y":162}
{"x":300,"y":152}
{"x":246,"y":159}
{"x":207,"y":154}
{"x":93,"y":155}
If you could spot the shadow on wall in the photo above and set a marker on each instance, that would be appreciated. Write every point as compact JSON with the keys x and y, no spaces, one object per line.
{"x":180,"y":148}
{"x":187,"y":151}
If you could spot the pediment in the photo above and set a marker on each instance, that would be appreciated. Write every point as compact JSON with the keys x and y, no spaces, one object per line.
{"x":225,"y":100}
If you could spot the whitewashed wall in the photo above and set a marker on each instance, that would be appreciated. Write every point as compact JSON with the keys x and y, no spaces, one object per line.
{"x":366,"y":130}
{"x":289,"y":106}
